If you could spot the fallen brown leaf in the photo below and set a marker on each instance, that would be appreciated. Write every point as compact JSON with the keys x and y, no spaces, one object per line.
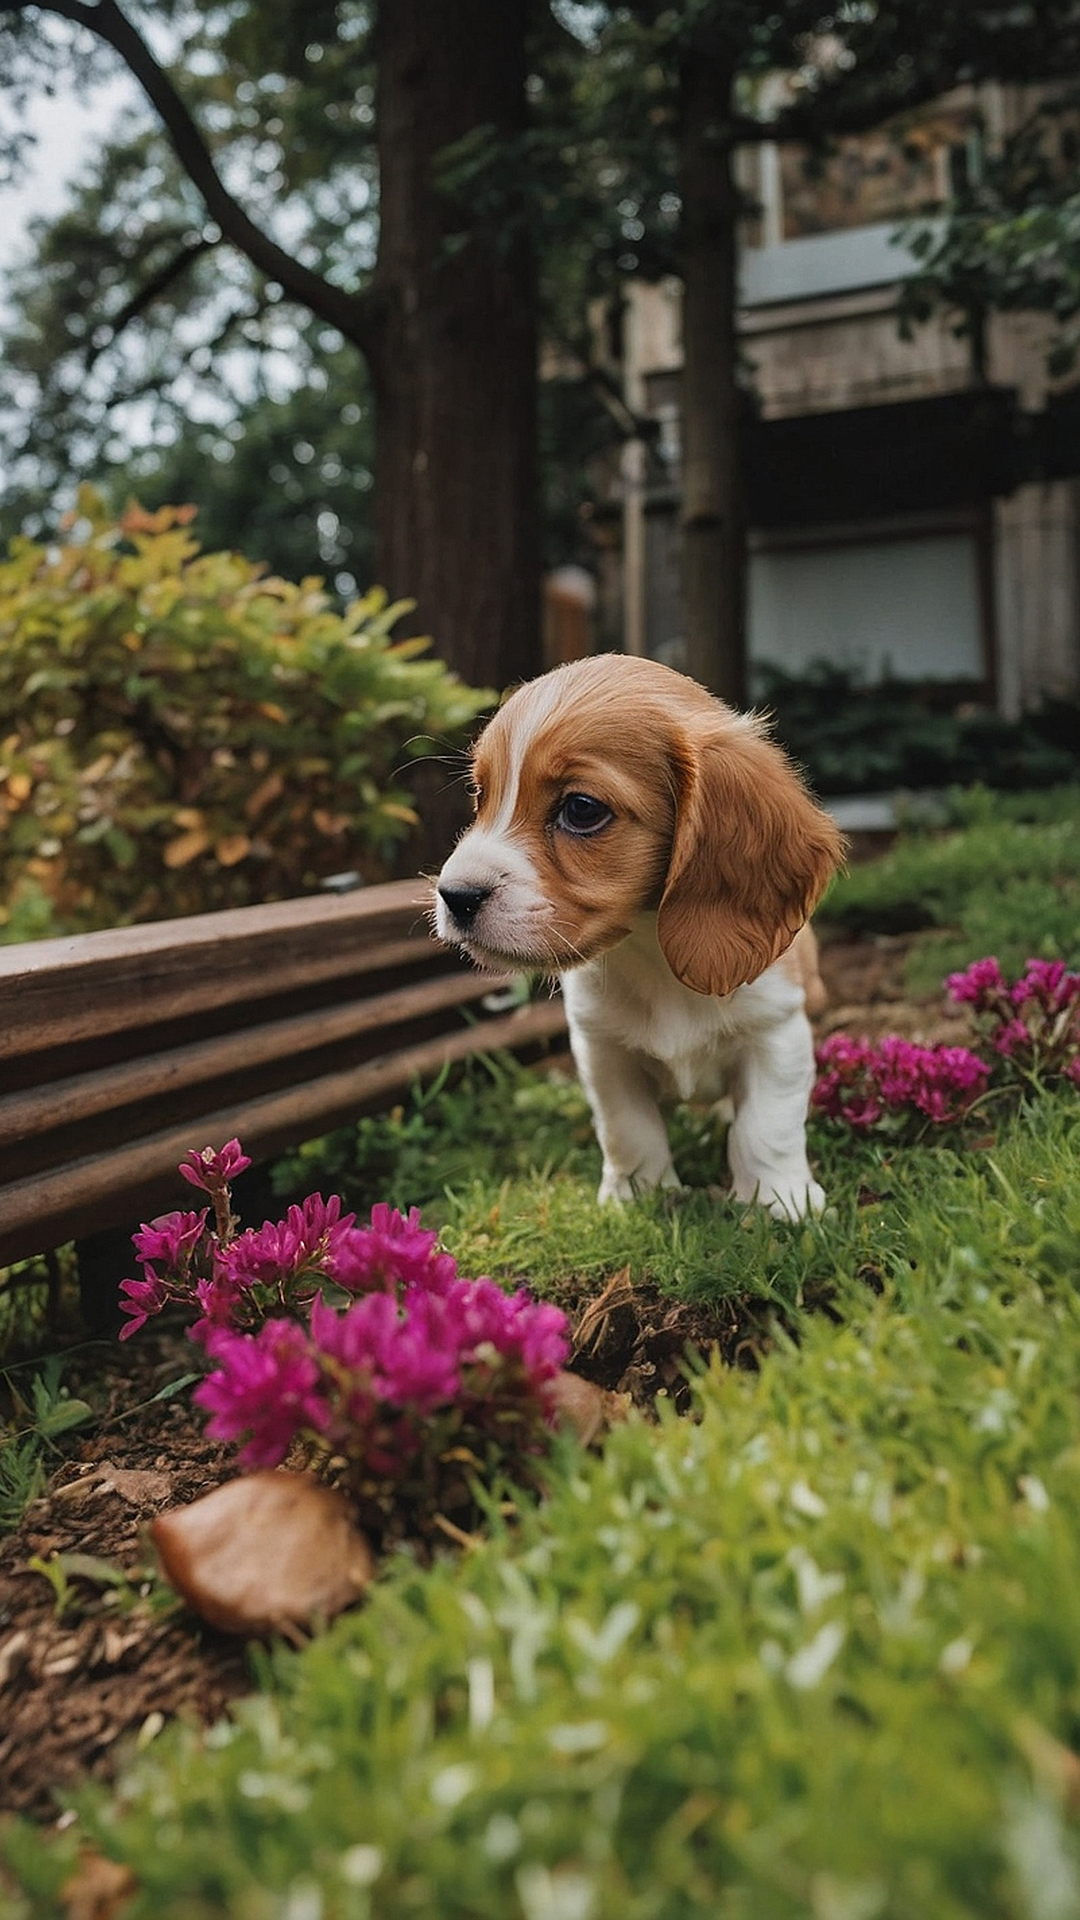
{"x":142,"y":1486}
{"x":588,"y":1410}
{"x":266,"y":1552}
{"x":98,"y":1889}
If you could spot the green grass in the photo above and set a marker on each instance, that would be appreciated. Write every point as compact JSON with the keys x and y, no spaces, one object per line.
{"x":35,"y":1410}
{"x":813,"y":1655}
{"x":816,"y":1654}
{"x":1005,"y":881}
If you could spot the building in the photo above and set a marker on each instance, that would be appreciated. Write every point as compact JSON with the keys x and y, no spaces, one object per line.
{"x":907,"y":518}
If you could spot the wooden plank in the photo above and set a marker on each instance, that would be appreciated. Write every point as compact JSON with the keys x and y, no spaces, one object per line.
{"x":208,"y":930}
{"x":63,"y":1012}
{"x":49,"y":1208}
{"x":82,"y":1096}
{"x":55,"y":992}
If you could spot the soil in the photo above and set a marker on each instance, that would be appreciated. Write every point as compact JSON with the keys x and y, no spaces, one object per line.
{"x":864,"y":982}
{"x":83,"y":1680}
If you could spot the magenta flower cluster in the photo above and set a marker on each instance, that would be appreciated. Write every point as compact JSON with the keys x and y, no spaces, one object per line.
{"x":1032,"y":1023}
{"x":236,"y":1280}
{"x":403,"y":1348}
{"x":865,"y":1081}
{"x":1029,"y":1028}
{"x":371,"y":1380}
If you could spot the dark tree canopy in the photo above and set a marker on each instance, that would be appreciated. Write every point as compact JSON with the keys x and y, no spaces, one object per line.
{"x":256,"y":227}
{"x":345,"y":228}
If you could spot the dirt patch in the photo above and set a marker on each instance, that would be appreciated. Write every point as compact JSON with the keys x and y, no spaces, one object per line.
{"x":864,"y":981}
{"x":635,"y":1339}
{"x":85,"y":1671}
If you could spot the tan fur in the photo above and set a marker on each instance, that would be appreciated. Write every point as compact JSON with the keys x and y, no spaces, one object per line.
{"x":712,"y":824}
{"x":800,"y":963}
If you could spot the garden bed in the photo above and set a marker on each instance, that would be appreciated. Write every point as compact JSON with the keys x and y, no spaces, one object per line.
{"x":88,"y":1671}
{"x":841,"y":1592}
{"x":80,"y":1683}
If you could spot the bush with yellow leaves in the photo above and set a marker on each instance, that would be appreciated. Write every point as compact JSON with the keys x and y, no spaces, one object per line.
{"x":179,"y":731}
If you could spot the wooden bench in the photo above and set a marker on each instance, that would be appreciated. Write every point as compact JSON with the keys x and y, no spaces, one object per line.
{"x":120,"y":1050}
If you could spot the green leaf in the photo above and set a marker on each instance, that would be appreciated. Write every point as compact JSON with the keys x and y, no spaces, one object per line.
{"x":65,"y":1415}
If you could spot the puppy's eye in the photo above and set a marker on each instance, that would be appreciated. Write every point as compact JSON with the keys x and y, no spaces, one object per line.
{"x":580,"y":814}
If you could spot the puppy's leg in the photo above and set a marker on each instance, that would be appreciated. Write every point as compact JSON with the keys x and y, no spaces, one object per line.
{"x":767,"y":1141}
{"x":628,"y":1121}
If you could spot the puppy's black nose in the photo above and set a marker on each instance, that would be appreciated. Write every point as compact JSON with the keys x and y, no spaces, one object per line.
{"x":464,"y":903}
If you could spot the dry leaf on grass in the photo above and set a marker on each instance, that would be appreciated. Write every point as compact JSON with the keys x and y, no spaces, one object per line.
{"x":264,"y":1553}
{"x":588,"y":1410}
{"x":99,"y":1889}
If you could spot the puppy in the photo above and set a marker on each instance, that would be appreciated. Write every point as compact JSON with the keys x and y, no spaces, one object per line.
{"x":660,"y":854}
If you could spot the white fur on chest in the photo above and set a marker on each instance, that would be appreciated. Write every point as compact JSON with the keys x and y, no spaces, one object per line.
{"x":631,"y":997}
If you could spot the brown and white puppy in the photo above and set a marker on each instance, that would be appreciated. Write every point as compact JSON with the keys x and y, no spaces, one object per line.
{"x":660,"y":854}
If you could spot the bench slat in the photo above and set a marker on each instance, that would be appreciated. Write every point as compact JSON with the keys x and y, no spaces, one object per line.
{"x":83,"y":1096}
{"x":58,"y":1205}
{"x":56,"y":992}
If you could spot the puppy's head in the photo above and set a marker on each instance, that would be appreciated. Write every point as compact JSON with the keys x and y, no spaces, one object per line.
{"x":614,"y":786}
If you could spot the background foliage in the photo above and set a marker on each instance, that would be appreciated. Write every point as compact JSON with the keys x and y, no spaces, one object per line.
{"x":856,"y":737}
{"x":184,"y":732}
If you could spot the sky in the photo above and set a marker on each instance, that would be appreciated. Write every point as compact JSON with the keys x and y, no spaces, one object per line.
{"x":65,"y":129}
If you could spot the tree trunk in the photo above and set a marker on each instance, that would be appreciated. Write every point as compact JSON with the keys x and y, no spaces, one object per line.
{"x":455,"y":360}
{"x":713,"y":511}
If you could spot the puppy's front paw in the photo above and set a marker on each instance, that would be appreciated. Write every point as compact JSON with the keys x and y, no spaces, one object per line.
{"x":797,"y":1202}
{"x":614,"y":1188}
{"x":628,"y":1186}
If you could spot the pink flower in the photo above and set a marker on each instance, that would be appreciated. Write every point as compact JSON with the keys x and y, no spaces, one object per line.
{"x":170,"y":1239}
{"x":267,"y":1385}
{"x":395,"y":1251}
{"x":1011,"y":1038}
{"x":401,"y":1358}
{"x":479,"y":1314}
{"x":979,"y":985}
{"x":211,"y":1171}
{"x":308,"y":1237}
{"x":219,"y":1297}
{"x":143,"y":1297}
{"x":845,"y":1090}
{"x":1048,"y":983}
{"x":862,"y":1082}
{"x":411,"y":1355}
{"x":950,"y":1079}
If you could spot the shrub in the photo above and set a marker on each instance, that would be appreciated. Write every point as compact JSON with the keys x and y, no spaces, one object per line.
{"x":183,"y":732}
{"x":852,"y":736}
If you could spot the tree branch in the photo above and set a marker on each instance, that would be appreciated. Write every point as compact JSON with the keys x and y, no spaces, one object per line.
{"x":146,"y":295}
{"x":352,"y":314}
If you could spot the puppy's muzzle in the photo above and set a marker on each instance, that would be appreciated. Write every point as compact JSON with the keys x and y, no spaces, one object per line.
{"x":464,"y":903}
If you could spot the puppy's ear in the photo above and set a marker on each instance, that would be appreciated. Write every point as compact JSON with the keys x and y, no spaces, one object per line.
{"x":751,"y":856}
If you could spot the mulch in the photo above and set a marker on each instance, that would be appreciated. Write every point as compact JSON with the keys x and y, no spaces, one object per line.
{"x":82,"y":1682}
{"x":79,"y":1683}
